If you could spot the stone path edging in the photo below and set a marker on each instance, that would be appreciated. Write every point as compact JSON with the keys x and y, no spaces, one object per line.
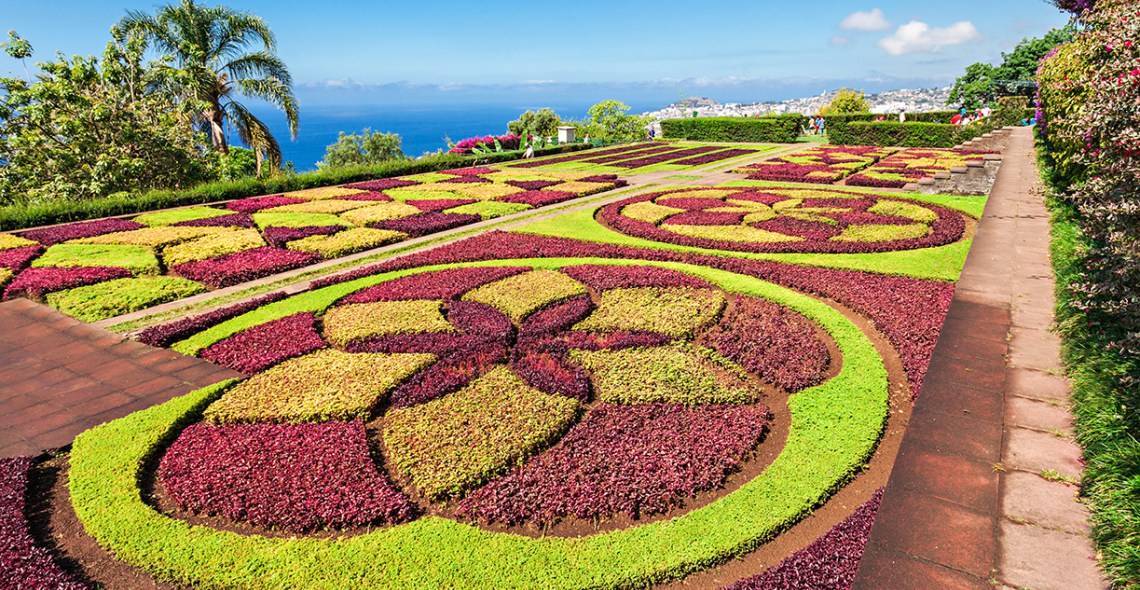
{"x":983,"y":493}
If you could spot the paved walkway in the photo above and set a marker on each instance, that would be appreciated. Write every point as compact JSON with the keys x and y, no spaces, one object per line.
{"x":59,"y":377}
{"x":983,"y":493}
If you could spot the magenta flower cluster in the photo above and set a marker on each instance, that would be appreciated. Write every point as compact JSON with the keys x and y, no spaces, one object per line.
{"x":585,"y":155}
{"x":23,"y":562}
{"x":624,"y":460}
{"x":292,"y":477}
{"x":466,"y":146}
{"x":258,"y":348}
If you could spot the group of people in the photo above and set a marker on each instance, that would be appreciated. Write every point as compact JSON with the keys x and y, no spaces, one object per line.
{"x":816,"y":125}
{"x":965,"y":117}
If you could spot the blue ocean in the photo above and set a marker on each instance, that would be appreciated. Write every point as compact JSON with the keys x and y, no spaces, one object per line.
{"x":423,"y":129}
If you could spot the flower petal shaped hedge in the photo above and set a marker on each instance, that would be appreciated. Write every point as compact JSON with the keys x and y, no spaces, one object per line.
{"x":449,"y":445}
{"x":324,"y":385}
{"x":294,"y":477}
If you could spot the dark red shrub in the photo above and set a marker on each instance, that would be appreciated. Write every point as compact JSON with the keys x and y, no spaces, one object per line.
{"x":260,"y":347}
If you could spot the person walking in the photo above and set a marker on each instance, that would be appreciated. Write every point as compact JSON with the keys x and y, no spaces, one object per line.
{"x":902,"y":116}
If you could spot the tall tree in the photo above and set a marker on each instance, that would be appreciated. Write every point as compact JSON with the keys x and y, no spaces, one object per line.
{"x":215,"y":50}
{"x":847,"y":102}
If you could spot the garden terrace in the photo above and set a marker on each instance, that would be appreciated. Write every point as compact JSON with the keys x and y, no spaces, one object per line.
{"x":645,"y":158}
{"x":912,"y":165}
{"x":682,"y":381}
{"x":94,"y":270}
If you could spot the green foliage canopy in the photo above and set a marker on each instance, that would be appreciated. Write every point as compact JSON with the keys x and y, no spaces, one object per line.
{"x":362,"y":149}
{"x":610,"y":121}
{"x":87,"y":127}
{"x":847,"y":102}
{"x":984,"y":82}
{"x":543,"y":123}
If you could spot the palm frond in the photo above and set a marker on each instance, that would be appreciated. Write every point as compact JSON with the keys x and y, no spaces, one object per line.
{"x":255,"y":134}
{"x":277,"y":93}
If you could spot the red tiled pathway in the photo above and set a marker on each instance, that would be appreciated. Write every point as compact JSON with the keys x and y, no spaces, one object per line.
{"x":967,"y":506}
{"x":59,"y":377}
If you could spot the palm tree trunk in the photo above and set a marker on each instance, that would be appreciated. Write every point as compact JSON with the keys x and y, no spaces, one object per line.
{"x":217,"y":130}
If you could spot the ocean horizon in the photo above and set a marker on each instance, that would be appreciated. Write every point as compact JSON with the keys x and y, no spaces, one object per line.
{"x":422,"y":129}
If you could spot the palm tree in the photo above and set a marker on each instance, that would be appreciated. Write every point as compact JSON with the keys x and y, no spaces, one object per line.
{"x":212,"y":49}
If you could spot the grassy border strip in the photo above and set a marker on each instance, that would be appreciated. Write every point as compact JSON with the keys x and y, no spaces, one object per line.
{"x":835,"y":428}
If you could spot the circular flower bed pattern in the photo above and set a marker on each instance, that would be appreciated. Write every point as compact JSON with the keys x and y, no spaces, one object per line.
{"x":502,"y":395}
{"x":784,"y":220}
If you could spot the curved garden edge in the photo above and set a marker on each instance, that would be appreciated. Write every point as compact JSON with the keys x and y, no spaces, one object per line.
{"x":835,"y":428}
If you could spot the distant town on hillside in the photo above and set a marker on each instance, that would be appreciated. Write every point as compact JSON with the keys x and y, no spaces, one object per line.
{"x":892,"y":101}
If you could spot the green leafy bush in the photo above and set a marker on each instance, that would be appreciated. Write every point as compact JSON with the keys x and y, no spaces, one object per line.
{"x":362,"y":149}
{"x":117,"y":297}
{"x":783,"y":129}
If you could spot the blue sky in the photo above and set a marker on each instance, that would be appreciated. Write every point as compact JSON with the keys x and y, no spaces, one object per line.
{"x":340,"y":47}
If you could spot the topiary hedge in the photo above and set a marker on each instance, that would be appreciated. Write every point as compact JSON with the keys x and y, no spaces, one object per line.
{"x":909,"y":134}
{"x":43,"y":213}
{"x":782,"y":129}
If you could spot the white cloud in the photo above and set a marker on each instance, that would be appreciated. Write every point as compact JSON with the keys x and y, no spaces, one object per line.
{"x":919,"y":37}
{"x":871,"y":20}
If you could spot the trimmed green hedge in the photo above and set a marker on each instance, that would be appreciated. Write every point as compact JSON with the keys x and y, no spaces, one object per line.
{"x":21,"y":216}
{"x":909,"y":134}
{"x":783,"y":129}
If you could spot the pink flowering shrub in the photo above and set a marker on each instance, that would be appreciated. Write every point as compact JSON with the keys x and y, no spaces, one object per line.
{"x":240,"y":267}
{"x":466,"y":146}
{"x":624,"y":460}
{"x":292,"y":477}
{"x":258,"y":348}
{"x":74,"y":231}
{"x":36,"y":283}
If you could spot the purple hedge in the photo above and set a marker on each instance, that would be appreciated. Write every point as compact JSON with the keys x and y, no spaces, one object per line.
{"x":381,"y":184}
{"x":429,"y":205}
{"x":715,"y":157}
{"x":588,"y":154}
{"x":829,"y":563}
{"x":255,"y":204}
{"x":35,"y":283}
{"x":772,"y":342}
{"x":278,"y":237}
{"x":74,"y":231}
{"x":428,"y":223}
{"x":235,"y":220}
{"x":540,"y":198}
{"x":243,"y":266}
{"x":458,"y":369}
{"x":293,"y":477}
{"x":23,"y":563}
{"x":533,"y":185}
{"x":166,"y":334}
{"x":601,"y":278}
{"x":633,"y":460}
{"x":445,"y":284}
{"x":557,"y":317}
{"x":551,"y":374}
{"x":470,"y":171}
{"x":258,"y":348}
{"x":17,"y":258}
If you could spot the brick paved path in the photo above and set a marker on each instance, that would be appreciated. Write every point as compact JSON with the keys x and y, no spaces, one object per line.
{"x":967,"y":506}
{"x":59,"y":377}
